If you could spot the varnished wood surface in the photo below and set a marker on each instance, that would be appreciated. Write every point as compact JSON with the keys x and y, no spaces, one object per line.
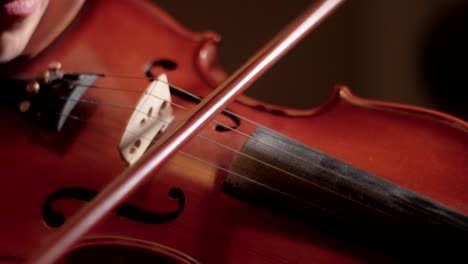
{"x":423,"y":152}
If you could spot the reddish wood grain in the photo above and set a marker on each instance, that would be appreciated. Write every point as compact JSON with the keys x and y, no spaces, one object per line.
{"x":422,"y":150}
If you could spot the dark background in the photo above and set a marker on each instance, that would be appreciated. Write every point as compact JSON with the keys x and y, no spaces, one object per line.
{"x":406,"y":51}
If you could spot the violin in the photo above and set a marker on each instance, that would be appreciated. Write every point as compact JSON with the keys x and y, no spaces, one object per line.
{"x":354,"y":180}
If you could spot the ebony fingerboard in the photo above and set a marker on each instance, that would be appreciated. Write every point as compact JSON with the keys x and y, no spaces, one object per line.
{"x":281,"y":174}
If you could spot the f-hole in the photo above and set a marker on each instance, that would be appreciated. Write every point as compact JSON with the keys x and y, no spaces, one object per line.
{"x":55,"y":218}
{"x":167,"y":65}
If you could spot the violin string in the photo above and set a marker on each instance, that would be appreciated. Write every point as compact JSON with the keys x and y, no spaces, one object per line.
{"x":217,"y":123}
{"x":211,"y":164}
{"x":254,"y":181}
{"x":265,"y":163}
{"x":80,"y":85}
{"x":243,"y":176}
{"x":343,"y":177}
{"x":224,"y":125}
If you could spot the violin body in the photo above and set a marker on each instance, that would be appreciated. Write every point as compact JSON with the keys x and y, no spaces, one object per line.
{"x":422,"y":150}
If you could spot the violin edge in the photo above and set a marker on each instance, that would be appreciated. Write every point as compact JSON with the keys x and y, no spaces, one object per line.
{"x":347,"y":95}
{"x":343,"y":92}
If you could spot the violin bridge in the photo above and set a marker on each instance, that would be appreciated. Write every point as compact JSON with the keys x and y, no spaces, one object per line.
{"x":151,"y":116}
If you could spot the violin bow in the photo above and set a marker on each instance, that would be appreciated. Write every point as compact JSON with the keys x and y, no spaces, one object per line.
{"x":133,"y":177}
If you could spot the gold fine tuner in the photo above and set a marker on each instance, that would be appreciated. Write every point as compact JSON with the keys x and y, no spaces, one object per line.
{"x":24,"y":106}
{"x":33,"y":87}
{"x":53,"y":68}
